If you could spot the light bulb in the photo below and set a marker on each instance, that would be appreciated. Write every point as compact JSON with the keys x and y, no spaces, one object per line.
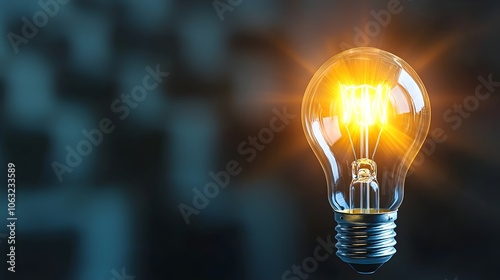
{"x":365,"y":114}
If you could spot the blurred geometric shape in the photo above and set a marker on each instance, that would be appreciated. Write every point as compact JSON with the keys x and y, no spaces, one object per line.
{"x":89,"y":36}
{"x":150,"y":112}
{"x":102,"y":222}
{"x":67,"y":123}
{"x":28,"y":151}
{"x":50,"y":255}
{"x":192,"y":148}
{"x":29,"y":92}
{"x":267,"y":216}
{"x":256,"y":15}
{"x":256,"y":86}
{"x":3,"y":236}
{"x":203,"y":44}
{"x":148,"y":16}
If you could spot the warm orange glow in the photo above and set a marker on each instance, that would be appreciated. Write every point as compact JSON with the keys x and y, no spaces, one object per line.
{"x":364,"y":104}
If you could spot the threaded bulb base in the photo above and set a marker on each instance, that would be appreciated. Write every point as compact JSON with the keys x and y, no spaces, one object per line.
{"x":365,"y":241}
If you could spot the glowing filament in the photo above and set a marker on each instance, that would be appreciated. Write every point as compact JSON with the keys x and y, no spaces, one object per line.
{"x":364,"y":104}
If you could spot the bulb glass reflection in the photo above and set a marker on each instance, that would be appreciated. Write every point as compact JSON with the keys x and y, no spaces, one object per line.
{"x":365,"y":114}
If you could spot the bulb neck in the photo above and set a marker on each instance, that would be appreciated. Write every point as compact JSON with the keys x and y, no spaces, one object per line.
{"x":365,"y":241}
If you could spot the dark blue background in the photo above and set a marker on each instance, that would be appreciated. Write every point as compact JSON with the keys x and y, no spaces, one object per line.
{"x":118,"y":208}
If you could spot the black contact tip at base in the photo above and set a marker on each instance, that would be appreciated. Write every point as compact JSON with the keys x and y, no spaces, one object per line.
{"x":366,"y":268}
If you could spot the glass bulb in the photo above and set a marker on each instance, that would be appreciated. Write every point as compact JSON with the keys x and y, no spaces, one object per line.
{"x":365,"y":114}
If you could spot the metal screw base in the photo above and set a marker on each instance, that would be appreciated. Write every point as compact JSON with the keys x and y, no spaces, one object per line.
{"x":365,"y":241}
